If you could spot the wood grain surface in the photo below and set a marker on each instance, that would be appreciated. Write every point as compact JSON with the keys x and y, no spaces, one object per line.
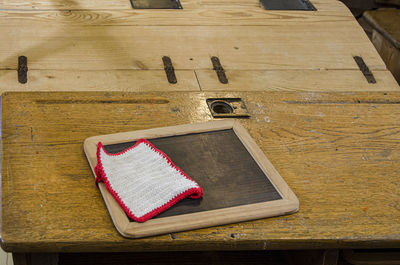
{"x":253,"y":38}
{"x":337,"y":151}
{"x":103,"y":80}
{"x":206,"y":80}
{"x":325,"y":5}
{"x":228,"y":16}
{"x":95,"y":46}
{"x":67,"y":47}
{"x":296,"y":80}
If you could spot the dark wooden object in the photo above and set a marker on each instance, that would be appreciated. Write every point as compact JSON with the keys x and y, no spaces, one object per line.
{"x":385,"y":25}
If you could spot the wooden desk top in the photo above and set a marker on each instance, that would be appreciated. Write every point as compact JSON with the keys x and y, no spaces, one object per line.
{"x":338,"y":152}
{"x":108,"y":46}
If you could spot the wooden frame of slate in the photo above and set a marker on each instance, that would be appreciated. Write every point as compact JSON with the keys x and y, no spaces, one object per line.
{"x":216,"y":211}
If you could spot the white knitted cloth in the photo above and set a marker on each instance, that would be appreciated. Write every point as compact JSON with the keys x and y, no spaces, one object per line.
{"x":143,"y":180}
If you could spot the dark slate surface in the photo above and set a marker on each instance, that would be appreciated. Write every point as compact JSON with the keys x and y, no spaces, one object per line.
{"x":220,"y":164}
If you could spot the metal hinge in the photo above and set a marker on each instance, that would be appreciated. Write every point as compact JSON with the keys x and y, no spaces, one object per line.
{"x":309,"y":5}
{"x":288,"y":5}
{"x":219,"y":70}
{"x":364,"y":69}
{"x":169,"y":70}
{"x":22,"y":69}
{"x":156,"y":4}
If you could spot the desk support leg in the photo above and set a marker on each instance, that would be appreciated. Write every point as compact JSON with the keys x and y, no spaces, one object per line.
{"x":313,"y":257}
{"x":330,"y":257}
{"x":35,"y":258}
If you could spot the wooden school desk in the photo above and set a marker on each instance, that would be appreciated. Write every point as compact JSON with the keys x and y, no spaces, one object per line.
{"x":337,"y":151}
{"x":107,"y":46}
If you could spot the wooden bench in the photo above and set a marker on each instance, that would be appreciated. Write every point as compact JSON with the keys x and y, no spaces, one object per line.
{"x":386,"y":36}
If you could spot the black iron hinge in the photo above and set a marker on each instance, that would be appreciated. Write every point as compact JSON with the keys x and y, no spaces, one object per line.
{"x":169,"y":70}
{"x":22,"y":69}
{"x":219,"y":70}
{"x":288,"y":5}
{"x":156,"y":4}
{"x":364,"y":69}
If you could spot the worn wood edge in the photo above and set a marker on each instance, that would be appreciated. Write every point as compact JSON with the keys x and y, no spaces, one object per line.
{"x":322,"y":80}
{"x":144,"y":81}
{"x":118,"y":216}
{"x":204,"y":244}
{"x":3,"y":97}
{"x":288,"y":204}
{"x":159,"y":132}
{"x":321,"y":5}
{"x":226,"y":243}
{"x":2,"y":109}
{"x":210,"y":218}
{"x":263,"y":162}
{"x":185,"y":17}
{"x":99,"y":80}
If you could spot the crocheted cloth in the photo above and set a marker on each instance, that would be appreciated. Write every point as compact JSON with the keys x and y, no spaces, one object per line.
{"x":143,"y":180}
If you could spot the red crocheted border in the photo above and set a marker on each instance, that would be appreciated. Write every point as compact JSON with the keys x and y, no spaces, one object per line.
{"x":193,"y":193}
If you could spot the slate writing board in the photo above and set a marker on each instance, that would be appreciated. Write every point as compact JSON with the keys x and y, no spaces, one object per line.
{"x":238,"y":180}
{"x":220,"y":164}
